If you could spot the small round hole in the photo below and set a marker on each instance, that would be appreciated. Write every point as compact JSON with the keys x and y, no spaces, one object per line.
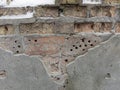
{"x":85,"y":45}
{"x":91,"y":44}
{"x":17,"y":51}
{"x":80,"y":45}
{"x":89,"y":41}
{"x":58,"y":78}
{"x":71,"y":49}
{"x":108,"y":75}
{"x":73,"y":45}
{"x":15,"y":41}
{"x":66,"y":60}
{"x":83,"y":49}
{"x":35,"y":40}
{"x":76,"y":47}
{"x":29,"y":40}
{"x":13,"y":47}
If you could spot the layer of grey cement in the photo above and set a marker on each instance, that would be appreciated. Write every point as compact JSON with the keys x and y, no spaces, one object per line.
{"x":99,"y":69}
{"x":23,"y":73}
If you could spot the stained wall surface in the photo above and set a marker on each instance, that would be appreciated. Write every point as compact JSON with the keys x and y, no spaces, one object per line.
{"x":66,"y":46}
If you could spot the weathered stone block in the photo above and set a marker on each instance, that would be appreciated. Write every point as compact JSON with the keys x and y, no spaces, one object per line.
{"x":93,"y":27}
{"x":117,"y":30}
{"x":75,"y":11}
{"x":12,"y":11}
{"x":46,"y":11}
{"x":84,"y":27}
{"x":109,"y":11}
{"x":7,"y":29}
{"x":111,"y":1}
{"x":47,"y":45}
{"x":37,"y":28}
{"x":62,"y":27}
{"x":12,"y":43}
{"x":102,"y":27}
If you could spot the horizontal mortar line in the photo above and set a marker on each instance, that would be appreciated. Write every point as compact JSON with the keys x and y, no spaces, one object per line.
{"x":57,"y":19}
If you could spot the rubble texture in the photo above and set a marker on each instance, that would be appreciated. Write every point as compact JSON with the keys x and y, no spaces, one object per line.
{"x":66,"y":46}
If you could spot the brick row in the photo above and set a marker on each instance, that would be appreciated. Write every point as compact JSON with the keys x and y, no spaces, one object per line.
{"x":39,"y":28}
{"x":81,"y":11}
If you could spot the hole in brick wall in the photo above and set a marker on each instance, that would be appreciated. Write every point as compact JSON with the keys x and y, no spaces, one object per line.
{"x":85,"y":45}
{"x":73,"y":45}
{"x":92,"y":26}
{"x":60,"y":10}
{"x":58,"y":78}
{"x":19,"y":46}
{"x":91,"y":45}
{"x":76,"y":47}
{"x":80,"y":45}
{"x":83,"y":39}
{"x":17,"y":51}
{"x":66,"y":60}
{"x":83,"y":50}
{"x":103,"y":24}
{"x":6,"y":28}
{"x":108,"y":75}
{"x":15,"y":41}
{"x":89,"y":41}
{"x":35,"y":40}
{"x":71,"y":49}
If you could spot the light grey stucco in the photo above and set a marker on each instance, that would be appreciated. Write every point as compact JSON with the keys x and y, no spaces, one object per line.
{"x":99,"y":69}
{"x":23,"y":73}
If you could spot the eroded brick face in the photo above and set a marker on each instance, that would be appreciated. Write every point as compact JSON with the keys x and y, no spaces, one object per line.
{"x":118,"y":28}
{"x":37,"y":28}
{"x":12,"y":11}
{"x":75,"y":11}
{"x":103,"y":11}
{"x":48,"y":11}
{"x":37,"y":45}
{"x":83,"y":27}
{"x":63,"y":28}
{"x":93,"y":27}
{"x":102,"y":27}
{"x":7,"y":29}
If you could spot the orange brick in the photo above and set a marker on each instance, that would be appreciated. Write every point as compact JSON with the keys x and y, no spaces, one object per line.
{"x":49,"y":45}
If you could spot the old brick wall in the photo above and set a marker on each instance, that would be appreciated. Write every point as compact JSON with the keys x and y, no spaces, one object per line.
{"x":59,"y":33}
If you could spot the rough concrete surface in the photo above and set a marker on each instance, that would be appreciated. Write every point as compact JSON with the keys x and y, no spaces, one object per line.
{"x":23,"y":73}
{"x":99,"y":69}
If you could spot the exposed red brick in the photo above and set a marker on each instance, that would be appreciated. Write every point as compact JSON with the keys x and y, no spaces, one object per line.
{"x":37,"y":45}
{"x":103,"y":11}
{"x":84,"y":27}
